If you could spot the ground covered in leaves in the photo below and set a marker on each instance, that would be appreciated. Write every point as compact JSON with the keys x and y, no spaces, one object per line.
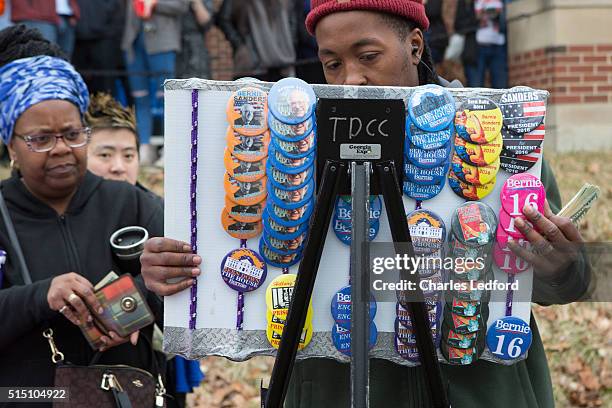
{"x":577,"y":337}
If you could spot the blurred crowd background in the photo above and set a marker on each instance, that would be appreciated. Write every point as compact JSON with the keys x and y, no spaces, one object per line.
{"x":129,"y":47}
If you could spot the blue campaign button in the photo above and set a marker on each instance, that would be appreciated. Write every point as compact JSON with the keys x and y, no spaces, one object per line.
{"x":292,"y":100}
{"x":288,"y":181}
{"x":293,"y":199}
{"x":277,"y":259}
{"x":432,"y":108}
{"x":290,"y":217}
{"x":287,"y":164}
{"x":282,"y":246}
{"x":297,"y":149}
{"x":427,"y":140}
{"x":509,"y":338}
{"x":428,"y":159}
{"x":290,"y":133}
{"x":418,"y":175}
{"x":341,"y":307}
{"x":281,"y":232}
{"x":341,"y":338}
{"x":343,"y":230}
{"x":422,"y":192}
{"x":344,"y":207}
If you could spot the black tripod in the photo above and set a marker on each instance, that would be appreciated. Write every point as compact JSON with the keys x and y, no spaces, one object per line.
{"x":334,"y":174}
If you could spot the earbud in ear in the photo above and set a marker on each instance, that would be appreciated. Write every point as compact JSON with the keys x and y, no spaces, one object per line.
{"x":415,"y":49}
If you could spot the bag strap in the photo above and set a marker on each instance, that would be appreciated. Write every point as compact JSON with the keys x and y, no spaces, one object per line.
{"x":25,"y":272}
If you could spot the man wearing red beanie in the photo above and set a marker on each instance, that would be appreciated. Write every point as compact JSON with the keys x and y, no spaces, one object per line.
{"x":380,"y":43}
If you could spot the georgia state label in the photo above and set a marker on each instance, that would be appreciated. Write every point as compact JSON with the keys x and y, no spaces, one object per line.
{"x":509,"y":338}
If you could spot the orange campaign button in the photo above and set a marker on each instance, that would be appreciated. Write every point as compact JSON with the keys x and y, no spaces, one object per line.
{"x":245,"y":192}
{"x":243,"y":170}
{"x":248,"y":148}
{"x":247,"y":111}
{"x":238,"y":229}
{"x":245,"y":213}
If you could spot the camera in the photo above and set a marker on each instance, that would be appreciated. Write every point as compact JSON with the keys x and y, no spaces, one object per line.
{"x":128,"y":243}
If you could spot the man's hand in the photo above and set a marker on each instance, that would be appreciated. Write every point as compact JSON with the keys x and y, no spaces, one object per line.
{"x":554,"y":240}
{"x":165,"y":258}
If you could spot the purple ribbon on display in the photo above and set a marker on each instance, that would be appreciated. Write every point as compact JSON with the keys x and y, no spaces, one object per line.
{"x":193,"y":304}
{"x":240,"y":308}
{"x":510,"y":295}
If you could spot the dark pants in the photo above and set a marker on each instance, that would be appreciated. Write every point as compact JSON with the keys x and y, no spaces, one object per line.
{"x":491,"y":58}
{"x":61,"y":34}
{"x":100,"y":55}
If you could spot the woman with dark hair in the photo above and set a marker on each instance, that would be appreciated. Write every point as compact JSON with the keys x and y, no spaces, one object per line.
{"x":63,"y":216}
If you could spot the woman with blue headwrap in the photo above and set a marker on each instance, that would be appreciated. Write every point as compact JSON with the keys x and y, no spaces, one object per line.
{"x":63,"y":216}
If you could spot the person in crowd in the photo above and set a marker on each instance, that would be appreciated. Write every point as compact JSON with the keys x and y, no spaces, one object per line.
{"x":466,"y":24}
{"x":56,"y":206}
{"x":193,"y":61}
{"x":5,"y":14}
{"x":308,"y":68}
{"x":98,"y":39}
{"x":437,"y":35}
{"x":151,"y":40}
{"x":492,"y":47}
{"x":55,"y":19}
{"x":381,"y":43}
{"x":261,"y":33}
{"x":113,"y":154}
{"x":113,"y":149}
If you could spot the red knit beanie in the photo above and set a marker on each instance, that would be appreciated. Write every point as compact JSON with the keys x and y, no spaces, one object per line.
{"x":413,"y":10}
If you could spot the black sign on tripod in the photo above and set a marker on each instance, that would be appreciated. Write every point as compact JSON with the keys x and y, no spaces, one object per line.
{"x":359,"y":130}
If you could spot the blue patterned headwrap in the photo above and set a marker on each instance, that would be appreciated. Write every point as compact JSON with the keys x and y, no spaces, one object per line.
{"x":28,"y":81}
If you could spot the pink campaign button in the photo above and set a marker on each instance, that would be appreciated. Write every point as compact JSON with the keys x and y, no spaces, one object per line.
{"x":508,"y":262}
{"x":520,"y":190}
{"x":507,"y":224}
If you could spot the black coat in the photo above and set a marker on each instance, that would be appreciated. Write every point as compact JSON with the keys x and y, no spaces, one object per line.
{"x":53,"y":245}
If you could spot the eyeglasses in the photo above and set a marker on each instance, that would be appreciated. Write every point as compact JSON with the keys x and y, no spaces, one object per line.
{"x":46,"y":142}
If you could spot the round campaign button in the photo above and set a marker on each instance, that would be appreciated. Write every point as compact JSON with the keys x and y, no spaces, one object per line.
{"x":464,"y":325}
{"x":242,"y":170}
{"x":343,"y":230}
{"x":427,"y":231}
{"x":248,"y":148}
{"x":341,"y":337}
{"x":524,"y":109}
{"x":247,"y":79}
{"x":296,"y":150}
{"x":461,"y":341}
{"x":278,"y":294}
{"x":282,"y":232}
{"x":245,"y":193}
{"x":243,"y":270}
{"x":472,"y":291}
{"x":428,"y":159}
{"x":507,"y":223}
{"x":284,"y":247}
{"x":238,"y":229}
{"x":276,"y":259}
{"x":279,"y":318}
{"x":507,"y":261}
{"x":292,"y":100}
{"x":274,"y":337}
{"x":247,"y":111}
{"x":479,"y":154}
{"x":463,"y":308}
{"x":341,"y":307}
{"x":431,"y":264}
{"x":458,"y":356}
{"x":403,"y":315}
{"x":290,"y":217}
{"x":287,"y":164}
{"x":520,"y":144}
{"x":479,"y":120}
{"x":509,"y":338}
{"x":422,"y":192}
{"x":245,"y":213}
{"x":521,"y":190}
{"x":407,"y":336}
{"x":519,"y":164}
{"x":461,"y":250}
{"x":343,"y":209}
{"x":406,"y":351}
{"x":473,"y":174}
{"x":474,"y":224}
{"x":427,"y":140}
{"x":431,"y":108}
{"x":287,"y":181}
{"x":290,"y":133}
{"x":469,"y":191}
{"x":418,"y":175}
{"x":293,"y":199}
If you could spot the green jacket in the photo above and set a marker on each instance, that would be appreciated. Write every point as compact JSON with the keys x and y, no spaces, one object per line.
{"x":322,"y":383}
